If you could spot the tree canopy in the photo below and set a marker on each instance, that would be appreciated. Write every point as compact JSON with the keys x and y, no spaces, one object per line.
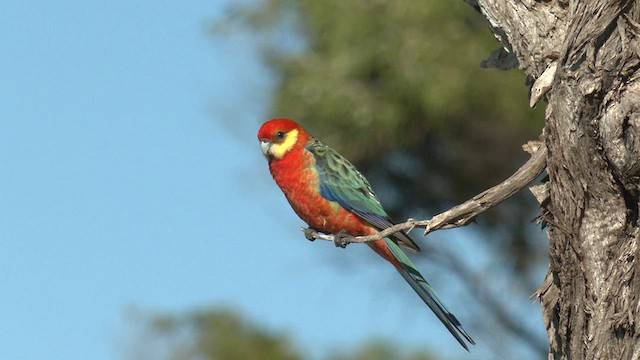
{"x":222,"y":334}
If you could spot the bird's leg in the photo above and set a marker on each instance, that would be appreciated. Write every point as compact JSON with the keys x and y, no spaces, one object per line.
{"x":340,"y":239}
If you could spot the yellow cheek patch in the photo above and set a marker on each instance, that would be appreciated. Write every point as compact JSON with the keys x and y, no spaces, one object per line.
{"x":279,"y":150}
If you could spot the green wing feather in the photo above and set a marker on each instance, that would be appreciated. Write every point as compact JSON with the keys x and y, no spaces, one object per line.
{"x":341,"y":182}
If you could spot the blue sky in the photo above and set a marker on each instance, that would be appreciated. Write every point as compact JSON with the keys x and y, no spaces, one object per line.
{"x":132,"y":179}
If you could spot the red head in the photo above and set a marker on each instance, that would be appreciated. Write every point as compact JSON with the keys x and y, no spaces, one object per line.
{"x":279,"y":136}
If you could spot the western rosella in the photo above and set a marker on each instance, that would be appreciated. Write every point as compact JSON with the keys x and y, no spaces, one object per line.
{"x":331,"y":196}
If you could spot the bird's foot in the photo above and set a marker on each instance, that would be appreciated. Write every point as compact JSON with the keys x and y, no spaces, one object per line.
{"x":341,"y":239}
{"x":310,"y":233}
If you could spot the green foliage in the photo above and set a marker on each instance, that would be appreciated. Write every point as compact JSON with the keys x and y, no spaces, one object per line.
{"x":382,"y":350}
{"x":219,"y":334}
{"x":216,"y":334}
{"x":374,"y":76}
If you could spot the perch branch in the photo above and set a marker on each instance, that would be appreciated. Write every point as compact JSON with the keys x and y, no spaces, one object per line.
{"x":459,"y":215}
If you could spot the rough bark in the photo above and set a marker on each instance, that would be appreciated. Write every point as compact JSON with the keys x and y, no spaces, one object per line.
{"x":591,"y":295}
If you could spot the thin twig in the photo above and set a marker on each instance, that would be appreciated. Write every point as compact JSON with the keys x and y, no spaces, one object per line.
{"x":459,"y":215}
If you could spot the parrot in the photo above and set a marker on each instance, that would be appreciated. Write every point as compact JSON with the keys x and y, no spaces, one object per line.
{"x":328,"y":193}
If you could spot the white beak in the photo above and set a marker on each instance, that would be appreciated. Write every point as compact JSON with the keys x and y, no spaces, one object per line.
{"x":265,"y":145}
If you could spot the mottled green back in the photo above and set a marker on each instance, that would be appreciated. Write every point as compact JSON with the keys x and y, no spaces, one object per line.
{"x":341,"y":182}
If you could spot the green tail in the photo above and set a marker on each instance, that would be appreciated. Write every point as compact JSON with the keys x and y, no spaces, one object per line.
{"x":428,"y":295}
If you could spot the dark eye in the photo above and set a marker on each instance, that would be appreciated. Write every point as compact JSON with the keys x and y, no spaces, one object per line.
{"x":280,"y":135}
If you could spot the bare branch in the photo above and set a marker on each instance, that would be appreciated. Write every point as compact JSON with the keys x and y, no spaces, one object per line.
{"x":460,"y":215}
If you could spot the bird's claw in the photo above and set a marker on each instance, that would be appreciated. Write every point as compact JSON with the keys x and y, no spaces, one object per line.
{"x":310,"y":233}
{"x":339,"y":239}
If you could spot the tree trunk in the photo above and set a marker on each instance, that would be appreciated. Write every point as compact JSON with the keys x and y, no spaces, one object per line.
{"x":591,"y":295}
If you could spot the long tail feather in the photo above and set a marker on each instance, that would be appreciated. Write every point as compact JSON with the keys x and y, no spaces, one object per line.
{"x":428,"y":295}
